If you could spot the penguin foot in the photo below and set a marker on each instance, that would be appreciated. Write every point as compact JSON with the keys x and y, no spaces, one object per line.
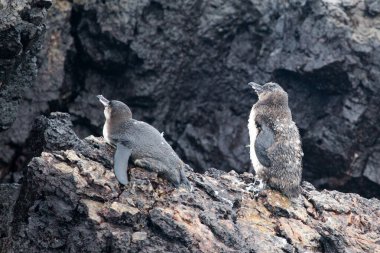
{"x":152,"y":165}
{"x":256,"y":187}
{"x":176,"y":179}
{"x":186,"y":185}
{"x":141,"y":163}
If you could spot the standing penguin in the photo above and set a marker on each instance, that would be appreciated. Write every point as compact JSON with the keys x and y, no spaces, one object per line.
{"x":141,"y":142}
{"x":275,"y":145}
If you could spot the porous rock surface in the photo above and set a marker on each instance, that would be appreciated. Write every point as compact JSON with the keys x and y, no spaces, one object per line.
{"x":21,"y":30}
{"x":70,"y":201}
{"x":32,"y":80}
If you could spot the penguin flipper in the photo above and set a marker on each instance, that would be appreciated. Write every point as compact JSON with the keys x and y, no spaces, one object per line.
{"x":264,"y":140}
{"x":121,"y":158}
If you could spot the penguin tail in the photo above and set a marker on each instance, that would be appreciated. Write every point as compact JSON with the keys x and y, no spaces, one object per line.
{"x":289,"y":188}
{"x":292,"y":192}
{"x":184,"y":181}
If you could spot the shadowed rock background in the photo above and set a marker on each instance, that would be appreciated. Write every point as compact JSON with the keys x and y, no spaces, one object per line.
{"x":183,"y":66}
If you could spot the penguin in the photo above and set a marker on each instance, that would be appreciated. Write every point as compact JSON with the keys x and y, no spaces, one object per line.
{"x":275,"y":143}
{"x":141,"y":143}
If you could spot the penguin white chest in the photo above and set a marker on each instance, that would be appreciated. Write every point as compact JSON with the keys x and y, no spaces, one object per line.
{"x":106,"y":133}
{"x":253,"y":132}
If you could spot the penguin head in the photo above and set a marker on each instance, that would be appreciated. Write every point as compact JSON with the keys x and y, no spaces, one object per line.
{"x":115,"y":109}
{"x":270,"y":91}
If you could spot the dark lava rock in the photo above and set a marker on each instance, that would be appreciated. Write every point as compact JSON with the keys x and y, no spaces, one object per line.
{"x":8,"y":196}
{"x":70,"y":201}
{"x":373,"y":7}
{"x":21,"y":30}
{"x":39,"y":98}
{"x":183,"y":66}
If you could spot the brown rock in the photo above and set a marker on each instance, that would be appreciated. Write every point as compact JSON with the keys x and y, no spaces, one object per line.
{"x":71,"y":201}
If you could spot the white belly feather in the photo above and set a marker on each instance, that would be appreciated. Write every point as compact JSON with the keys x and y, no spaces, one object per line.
{"x":252,"y":129}
{"x":105,"y":133}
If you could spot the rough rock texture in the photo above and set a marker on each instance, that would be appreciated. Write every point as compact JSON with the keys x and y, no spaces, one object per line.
{"x":21,"y":30}
{"x":70,"y":201}
{"x":45,"y":89}
{"x":183,"y":66}
{"x":8,"y":196}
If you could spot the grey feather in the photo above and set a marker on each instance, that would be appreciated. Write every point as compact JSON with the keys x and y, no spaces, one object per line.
{"x":140,"y":143}
{"x":264,"y":140}
{"x":121,"y":163}
{"x":276,"y":150}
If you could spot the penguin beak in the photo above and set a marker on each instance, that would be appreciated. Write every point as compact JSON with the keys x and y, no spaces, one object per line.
{"x":257,"y":87}
{"x":103,"y":100}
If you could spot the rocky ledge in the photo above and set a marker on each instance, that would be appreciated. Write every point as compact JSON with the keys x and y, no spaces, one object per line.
{"x":70,"y":201}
